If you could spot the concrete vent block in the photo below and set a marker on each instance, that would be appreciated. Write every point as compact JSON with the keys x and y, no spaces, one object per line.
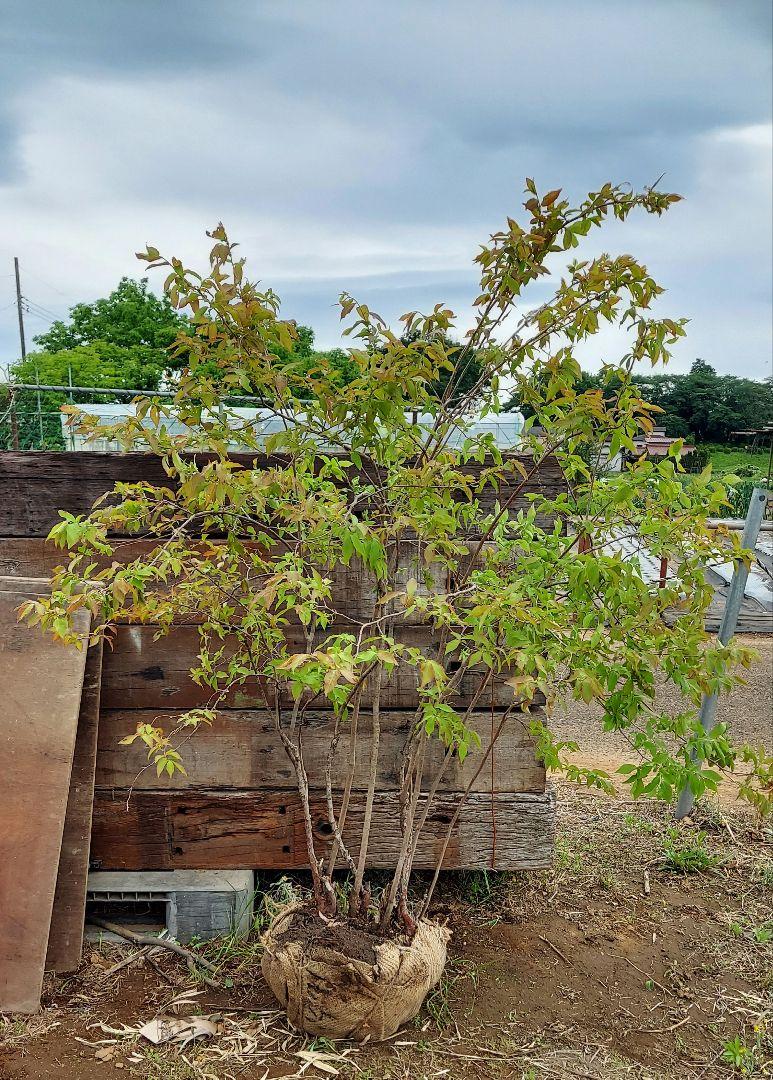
{"x":198,"y":903}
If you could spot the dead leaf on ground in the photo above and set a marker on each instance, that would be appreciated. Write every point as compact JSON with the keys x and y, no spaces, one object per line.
{"x":164,"y":1029}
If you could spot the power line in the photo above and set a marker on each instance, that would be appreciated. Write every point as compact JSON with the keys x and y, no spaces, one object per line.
{"x":42,"y":318}
{"x":37,"y":309}
{"x":43,"y":281}
{"x":41,"y":307}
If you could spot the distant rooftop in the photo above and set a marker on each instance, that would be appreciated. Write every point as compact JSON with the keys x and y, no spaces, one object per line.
{"x":657,"y":444}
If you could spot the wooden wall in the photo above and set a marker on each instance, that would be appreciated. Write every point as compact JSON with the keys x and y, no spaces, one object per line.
{"x":237,"y":807}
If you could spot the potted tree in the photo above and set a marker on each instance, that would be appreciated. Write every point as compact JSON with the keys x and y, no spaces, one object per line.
{"x":528,"y":601}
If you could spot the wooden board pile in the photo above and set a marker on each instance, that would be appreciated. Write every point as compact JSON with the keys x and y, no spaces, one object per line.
{"x":237,"y":807}
{"x":48,"y":742}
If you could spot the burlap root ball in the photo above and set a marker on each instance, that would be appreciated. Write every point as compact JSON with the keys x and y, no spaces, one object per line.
{"x":325,"y":992}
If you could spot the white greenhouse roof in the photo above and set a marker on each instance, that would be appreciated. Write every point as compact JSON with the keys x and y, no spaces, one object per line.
{"x":505,"y":427}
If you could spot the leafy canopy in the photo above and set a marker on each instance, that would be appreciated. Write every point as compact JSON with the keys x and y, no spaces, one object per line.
{"x":529,"y":590}
{"x":130,"y":316}
{"x":99,"y":364}
{"x":700,"y":405}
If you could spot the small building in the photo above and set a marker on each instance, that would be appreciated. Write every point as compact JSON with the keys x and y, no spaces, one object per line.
{"x":657,"y":444}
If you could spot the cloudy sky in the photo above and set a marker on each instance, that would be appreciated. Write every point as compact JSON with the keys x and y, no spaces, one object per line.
{"x":372,"y":145}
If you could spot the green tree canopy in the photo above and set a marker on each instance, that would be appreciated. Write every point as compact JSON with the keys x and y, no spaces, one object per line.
{"x":701,"y":405}
{"x":100,"y":363}
{"x":122,"y":340}
{"x":131,"y":316}
{"x":707,"y":406}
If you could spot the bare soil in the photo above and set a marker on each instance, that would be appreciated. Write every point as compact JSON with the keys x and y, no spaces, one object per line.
{"x":747,"y":710}
{"x":356,"y":942}
{"x":573,"y":972}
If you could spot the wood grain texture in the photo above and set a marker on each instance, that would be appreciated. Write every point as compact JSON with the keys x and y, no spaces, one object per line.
{"x":164,"y":830}
{"x":42,"y":682}
{"x":142,"y":673}
{"x":241,"y":751}
{"x":37,"y":484}
{"x":353,"y":587}
{"x":65,"y":939}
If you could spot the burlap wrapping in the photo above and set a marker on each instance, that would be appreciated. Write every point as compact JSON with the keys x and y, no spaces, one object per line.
{"x":326,"y":993}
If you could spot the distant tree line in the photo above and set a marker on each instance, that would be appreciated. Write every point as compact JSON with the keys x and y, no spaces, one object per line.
{"x":701,"y":405}
{"x":122,"y":341}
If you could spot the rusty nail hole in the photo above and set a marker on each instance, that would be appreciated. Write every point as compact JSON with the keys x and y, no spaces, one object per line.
{"x":286,"y":849}
{"x":282,"y":809}
{"x":178,"y":851}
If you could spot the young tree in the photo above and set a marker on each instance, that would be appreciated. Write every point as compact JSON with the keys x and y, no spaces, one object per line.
{"x":538,"y":599}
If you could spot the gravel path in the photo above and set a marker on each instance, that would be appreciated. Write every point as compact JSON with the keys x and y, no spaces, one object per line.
{"x":748,"y":710}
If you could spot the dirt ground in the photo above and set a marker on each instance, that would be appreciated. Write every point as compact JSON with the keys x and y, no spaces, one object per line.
{"x":747,"y":710}
{"x":645,"y":952}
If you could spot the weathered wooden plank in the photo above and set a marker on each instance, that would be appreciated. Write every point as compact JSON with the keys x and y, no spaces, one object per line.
{"x":37,"y":484}
{"x":241,"y":751}
{"x":221,"y":831}
{"x":65,"y":939}
{"x":139,"y":672}
{"x":42,"y":682}
{"x":353,"y":587}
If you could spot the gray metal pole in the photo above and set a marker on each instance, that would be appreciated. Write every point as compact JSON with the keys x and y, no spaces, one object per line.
{"x":708,"y":714}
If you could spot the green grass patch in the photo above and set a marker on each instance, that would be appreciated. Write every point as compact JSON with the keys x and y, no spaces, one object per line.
{"x":726,"y":459}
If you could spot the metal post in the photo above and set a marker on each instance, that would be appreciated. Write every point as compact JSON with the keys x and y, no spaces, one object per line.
{"x":40,"y":408}
{"x":71,"y":430}
{"x":14,"y":420}
{"x":708,"y":714}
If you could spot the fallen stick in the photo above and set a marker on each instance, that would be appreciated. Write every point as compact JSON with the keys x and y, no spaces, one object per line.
{"x":654,"y":982}
{"x":664,"y":1031}
{"x":149,"y":939}
{"x":161,"y":973}
{"x":556,"y":950}
{"x":142,"y":953}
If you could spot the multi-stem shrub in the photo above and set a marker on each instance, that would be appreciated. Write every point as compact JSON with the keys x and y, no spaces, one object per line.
{"x":377,"y":471}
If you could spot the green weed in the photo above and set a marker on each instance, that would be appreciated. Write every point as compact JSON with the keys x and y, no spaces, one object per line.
{"x":438,"y":1003}
{"x":687,"y":853}
{"x":739,"y":1055}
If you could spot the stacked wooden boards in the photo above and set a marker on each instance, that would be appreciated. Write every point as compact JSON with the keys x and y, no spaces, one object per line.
{"x":48,"y":729}
{"x":237,"y":807}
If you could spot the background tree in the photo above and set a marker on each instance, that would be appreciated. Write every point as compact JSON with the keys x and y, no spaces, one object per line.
{"x":132,"y":316}
{"x":122,"y":340}
{"x":700,"y":405}
{"x":38,"y":415}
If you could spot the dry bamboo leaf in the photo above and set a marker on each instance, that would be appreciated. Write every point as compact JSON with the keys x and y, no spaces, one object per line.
{"x":163,"y":1029}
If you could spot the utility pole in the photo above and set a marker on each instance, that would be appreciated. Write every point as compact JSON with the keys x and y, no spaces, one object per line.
{"x":19,"y":307}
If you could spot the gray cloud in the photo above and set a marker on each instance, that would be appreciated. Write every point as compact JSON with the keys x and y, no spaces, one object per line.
{"x":371,"y":146}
